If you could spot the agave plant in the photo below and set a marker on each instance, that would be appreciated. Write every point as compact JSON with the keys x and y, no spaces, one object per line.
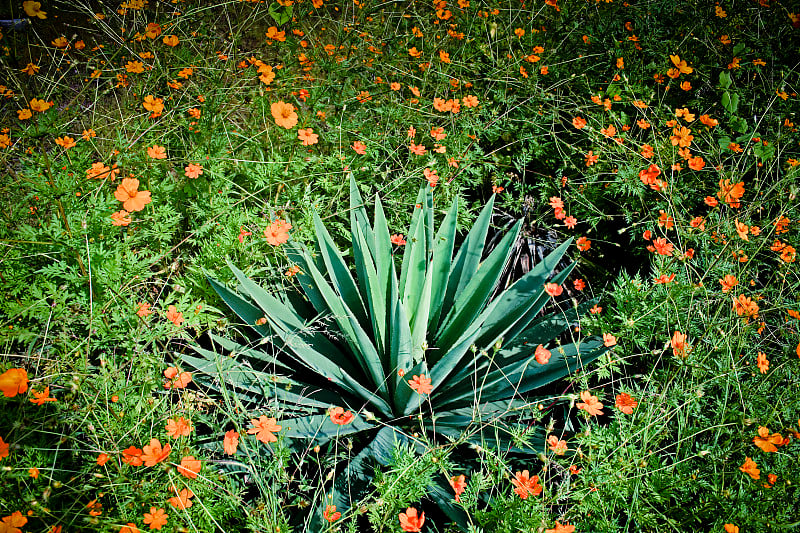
{"x":360,"y":341}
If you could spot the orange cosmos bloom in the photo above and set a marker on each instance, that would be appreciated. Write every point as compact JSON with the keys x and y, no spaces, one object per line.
{"x":132,"y":456}
{"x":263,"y":428}
{"x":157,"y":152}
{"x":561,"y":528}
{"x":470,"y":101}
{"x":39,"y":398}
{"x":189,"y":467}
{"x":177,"y":380}
{"x":591,"y":159}
{"x":731,"y":193}
{"x":277,"y":233}
{"x":307,"y":136}
{"x":609,"y":340}
{"x":525,"y":485}
{"x":4,"y":446}
{"x":678,"y":343}
{"x":284,"y":115}
{"x":154,"y":105}
{"x":417,"y":149}
{"x":559,"y":447}
{"x":331,"y":514}
{"x":421,"y":384}
{"x":750,"y":468}
{"x":397,"y":239}
{"x":121,"y":218}
{"x":591,"y":404}
{"x":156,"y":518}
{"x":731,"y":528}
{"x":681,"y":65}
{"x":179,"y":427}
{"x":66,"y":142}
{"x":552,"y":289}
{"x":174,"y":316}
{"x":40,"y":106}
{"x":275,"y":35}
{"x":182,"y":500}
{"x":339,"y":416}
{"x":681,"y":136}
{"x":153,"y":453}
{"x":708,"y":121}
{"x":579,"y":122}
{"x":459,"y":484}
{"x":34,"y":9}
{"x":625,"y":403}
{"x":767,"y":442}
{"x":583,"y":244}
{"x":13,"y":381}
{"x":132,"y":199}
{"x":409,"y":521}
{"x":762,"y":362}
{"x":696,"y":163}
{"x":542,"y":355}
{"x":193,"y":171}
{"x":359,"y":147}
{"x":662,"y":247}
{"x":171,"y":40}
{"x":745,"y":306}
{"x":728,"y":282}
{"x":230,"y":442}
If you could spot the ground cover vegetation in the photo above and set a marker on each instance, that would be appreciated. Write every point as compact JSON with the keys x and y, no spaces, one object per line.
{"x":399,"y":266}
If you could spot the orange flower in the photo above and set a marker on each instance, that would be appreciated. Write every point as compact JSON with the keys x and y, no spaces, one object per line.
{"x":33,"y":472}
{"x":591,"y":159}
{"x":553,"y":289}
{"x":284,"y":115}
{"x":762,"y":362}
{"x":421,"y":384}
{"x":681,"y":65}
{"x":189,"y":467}
{"x":583,"y":244}
{"x":144,"y":310}
{"x":331,"y":514}
{"x":153,"y":453}
{"x":230,"y":442}
{"x":678,"y":343}
{"x":157,"y":152}
{"x":34,"y":9}
{"x":40,"y":106}
{"x":397,"y":239}
{"x":178,"y":427}
{"x":579,"y":122}
{"x":24,"y":114}
{"x":767,"y":442}
{"x":750,"y":468}
{"x":193,"y":171}
{"x":625,"y":403}
{"x":177,"y":380}
{"x":13,"y":381}
{"x":559,"y":447}
{"x":263,"y":428}
{"x":275,"y":35}
{"x":730,"y":528}
{"x":731,"y":193}
{"x":681,"y":136}
{"x":156,"y":518}
{"x":39,"y":398}
{"x":524,"y":485}
{"x":171,"y":40}
{"x":182,"y":499}
{"x":459,"y":484}
{"x":66,"y":142}
{"x":409,"y":521}
{"x":307,"y":136}
{"x":359,"y":147}
{"x":609,"y":340}
{"x":340,"y":416}
{"x":745,"y":306}
{"x":561,"y":528}
{"x":277,"y":233}
{"x":4,"y":447}
{"x":662,"y":247}
{"x":470,"y":101}
{"x":174,"y":316}
{"x":132,"y":456}
{"x":542,"y":355}
{"x":610,"y":131}
{"x":591,"y":404}
{"x":696,"y":163}
{"x":132,"y":199}
{"x":154,"y":105}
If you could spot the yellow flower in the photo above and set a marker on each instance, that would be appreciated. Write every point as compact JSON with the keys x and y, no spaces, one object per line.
{"x":34,"y":9}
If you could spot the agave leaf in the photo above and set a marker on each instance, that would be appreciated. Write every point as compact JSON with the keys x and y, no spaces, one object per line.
{"x":338,"y":273}
{"x":440,"y":267}
{"x":400,"y":341}
{"x":414,"y":263}
{"x":471,"y":302}
{"x":356,"y":338}
{"x":320,"y":428}
{"x":245,"y":351}
{"x":467,"y":259}
{"x":374,"y":292}
{"x":413,"y":240}
{"x":297,"y":255}
{"x":244,"y":309}
{"x":268,"y":303}
{"x":522,"y":300}
{"x":358,"y":213}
